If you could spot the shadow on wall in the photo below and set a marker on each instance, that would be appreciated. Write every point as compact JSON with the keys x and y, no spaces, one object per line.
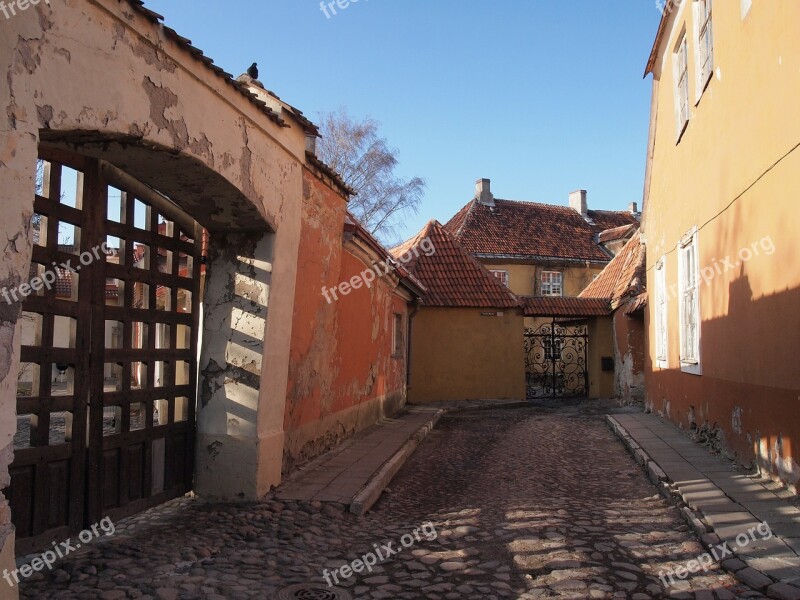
{"x":747,"y":398}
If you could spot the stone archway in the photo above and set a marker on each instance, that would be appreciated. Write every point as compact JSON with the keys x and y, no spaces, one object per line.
{"x":105,"y":79}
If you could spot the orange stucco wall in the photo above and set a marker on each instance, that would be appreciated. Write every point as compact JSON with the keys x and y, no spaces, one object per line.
{"x":733,"y":174}
{"x":342,"y":374}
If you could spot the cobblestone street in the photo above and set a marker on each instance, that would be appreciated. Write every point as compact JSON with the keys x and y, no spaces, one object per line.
{"x":528,"y":503}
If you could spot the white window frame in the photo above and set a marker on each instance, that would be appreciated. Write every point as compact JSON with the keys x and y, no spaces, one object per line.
{"x":704,"y":43}
{"x":689,"y":302}
{"x":661,"y":315}
{"x":746,"y":6}
{"x":501,"y":275}
{"x":554,"y":289}
{"x":680,"y":62}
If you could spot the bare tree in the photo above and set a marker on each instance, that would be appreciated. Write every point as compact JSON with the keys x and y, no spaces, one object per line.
{"x":367,"y":164}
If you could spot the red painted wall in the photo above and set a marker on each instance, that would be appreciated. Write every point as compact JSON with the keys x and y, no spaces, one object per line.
{"x":342,"y":374}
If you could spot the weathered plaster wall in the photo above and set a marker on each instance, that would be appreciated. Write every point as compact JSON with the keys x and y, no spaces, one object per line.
{"x":629,"y":349}
{"x":100,"y":78}
{"x":343,"y":376}
{"x":460,"y":354}
{"x":742,"y":196}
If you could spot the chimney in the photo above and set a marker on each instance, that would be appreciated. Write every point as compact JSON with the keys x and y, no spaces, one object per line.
{"x":577,"y":202}
{"x":633,"y":207}
{"x":311,"y":144}
{"x":483,"y":192}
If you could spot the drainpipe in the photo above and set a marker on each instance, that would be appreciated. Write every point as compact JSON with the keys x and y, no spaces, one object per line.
{"x":414,"y":311}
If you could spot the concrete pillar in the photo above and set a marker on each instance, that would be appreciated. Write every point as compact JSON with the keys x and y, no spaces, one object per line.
{"x":231,"y":451}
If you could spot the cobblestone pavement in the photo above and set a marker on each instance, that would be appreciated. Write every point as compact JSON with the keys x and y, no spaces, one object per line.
{"x":527,"y":503}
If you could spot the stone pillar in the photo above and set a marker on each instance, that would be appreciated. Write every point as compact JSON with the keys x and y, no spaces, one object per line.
{"x":230,"y":459}
{"x":18,"y":153}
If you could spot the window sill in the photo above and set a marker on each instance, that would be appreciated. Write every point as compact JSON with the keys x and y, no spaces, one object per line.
{"x":662,"y":364}
{"x":682,"y":131}
{"x":703,"y":87}
{"x":691,"y":368}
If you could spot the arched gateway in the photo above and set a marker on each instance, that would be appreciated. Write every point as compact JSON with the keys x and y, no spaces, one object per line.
{"x":156,"y":171}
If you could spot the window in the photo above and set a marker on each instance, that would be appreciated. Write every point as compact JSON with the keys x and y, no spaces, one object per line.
{"x":552,"y":283}
{"x":681,"y":61}
{"x":662,"y":359}
{"x":705,"y":44}
{"x":397,"y":340}
{"x":501,"y":275}
{"x":689,"y":303}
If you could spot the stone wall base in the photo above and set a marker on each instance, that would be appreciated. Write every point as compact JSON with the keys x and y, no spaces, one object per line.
{"x":318,"y":437}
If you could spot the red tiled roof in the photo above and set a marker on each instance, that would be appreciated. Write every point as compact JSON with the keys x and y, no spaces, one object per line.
{"x":623,"y":277}
{"x":637,"y":304}
{"x":616,"y":233}
{"x":353,"y":226}
{"x":549,"y":306}
{"x":530,"y":229}
{"x":451,"y":276}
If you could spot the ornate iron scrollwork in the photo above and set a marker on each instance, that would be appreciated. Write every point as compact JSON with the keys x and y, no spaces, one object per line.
{"x":556,"y":360}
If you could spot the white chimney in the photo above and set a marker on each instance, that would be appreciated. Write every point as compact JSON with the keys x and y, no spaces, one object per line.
{"x":633,"y":208}
{"x":483,"y":192}
{"x":577,"y":202}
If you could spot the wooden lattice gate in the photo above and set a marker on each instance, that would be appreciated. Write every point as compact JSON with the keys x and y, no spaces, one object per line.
{"x":107,"y":385}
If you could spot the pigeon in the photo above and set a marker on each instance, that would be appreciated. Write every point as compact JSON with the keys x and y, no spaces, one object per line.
{"x":253,"y":71}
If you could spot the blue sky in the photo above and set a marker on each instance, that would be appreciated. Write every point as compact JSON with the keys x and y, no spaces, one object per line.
{"x":541,"y":97}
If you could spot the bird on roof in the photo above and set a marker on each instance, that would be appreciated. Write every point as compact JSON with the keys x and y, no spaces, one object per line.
{"x":253,"y":71}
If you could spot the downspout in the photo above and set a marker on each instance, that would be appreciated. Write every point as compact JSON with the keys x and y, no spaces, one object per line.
{"x":414,"y":311}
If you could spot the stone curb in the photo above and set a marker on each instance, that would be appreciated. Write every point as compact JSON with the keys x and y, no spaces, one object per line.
{"x":739,"y":568}
{"x":372,"y":490}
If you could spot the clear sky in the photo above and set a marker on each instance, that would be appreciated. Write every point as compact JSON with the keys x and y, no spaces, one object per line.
{"x":540,"y":97}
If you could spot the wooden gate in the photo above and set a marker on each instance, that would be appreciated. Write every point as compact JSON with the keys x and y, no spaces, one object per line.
{"x":107,"y":385}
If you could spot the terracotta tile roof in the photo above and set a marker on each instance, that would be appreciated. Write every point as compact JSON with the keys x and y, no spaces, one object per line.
{"x":637,"y":304}
{"x":353,"y":226}
{"x":530,"y":229}
{"x":548,"y":306}
{"x":623,"y":277}
{"x":616,"y":233}
{"x":451,"y":276}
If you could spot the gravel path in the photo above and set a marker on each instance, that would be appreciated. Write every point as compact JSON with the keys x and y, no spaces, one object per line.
{"x":526,"y":503}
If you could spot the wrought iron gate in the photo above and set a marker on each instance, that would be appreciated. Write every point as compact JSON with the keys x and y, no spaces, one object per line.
{"x":556,"y":361}
{"x":106,"y":391}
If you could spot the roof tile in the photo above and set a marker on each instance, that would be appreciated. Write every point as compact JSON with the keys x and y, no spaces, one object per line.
{"x":623,"y":277}
{"x":451,"y":276}
{"x":531,"y":229}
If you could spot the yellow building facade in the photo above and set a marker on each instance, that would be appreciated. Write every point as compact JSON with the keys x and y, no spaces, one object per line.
{"x":720,"y":222}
